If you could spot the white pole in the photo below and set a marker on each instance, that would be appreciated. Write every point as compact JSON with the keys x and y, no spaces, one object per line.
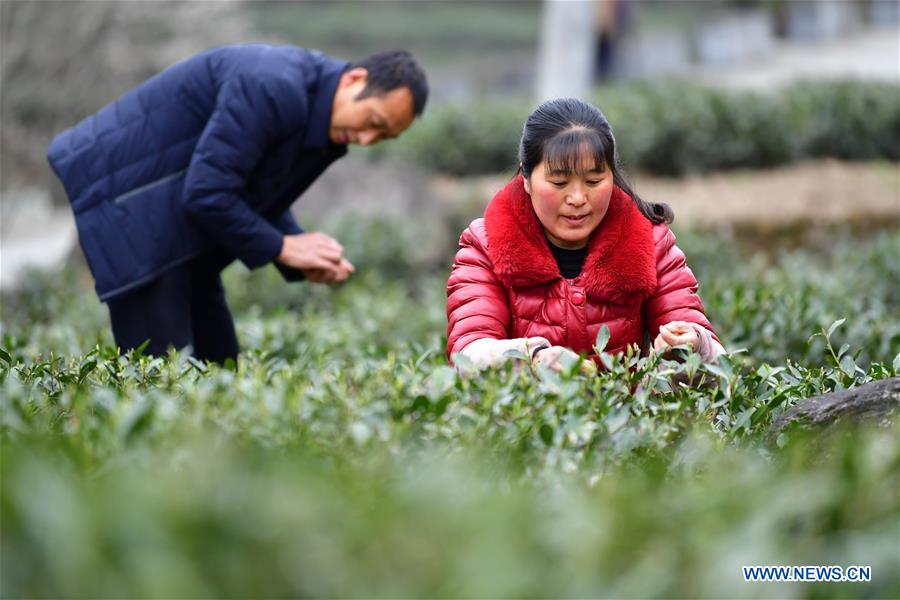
{"x":567,"y":48}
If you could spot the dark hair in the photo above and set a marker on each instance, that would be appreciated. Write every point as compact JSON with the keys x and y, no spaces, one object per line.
{"x":559,"y":130}
{"x":394,"y":69}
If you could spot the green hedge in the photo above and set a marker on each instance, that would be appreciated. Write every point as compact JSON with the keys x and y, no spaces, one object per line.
{"x":345,"y":458}
{"x":677,"y":128}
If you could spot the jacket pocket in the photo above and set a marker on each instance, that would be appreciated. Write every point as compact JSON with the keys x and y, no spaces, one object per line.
{"x":148,"y":187}
{"x":152,"y":222}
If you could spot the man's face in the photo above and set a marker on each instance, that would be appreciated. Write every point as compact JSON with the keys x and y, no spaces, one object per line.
{"x":369,"y":120}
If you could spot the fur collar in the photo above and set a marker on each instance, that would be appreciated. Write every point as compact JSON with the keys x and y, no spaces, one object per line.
{"x":621,"y":259}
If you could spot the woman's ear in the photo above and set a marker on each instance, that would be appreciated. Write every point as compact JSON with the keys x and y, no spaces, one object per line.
{"x":527,"y":183}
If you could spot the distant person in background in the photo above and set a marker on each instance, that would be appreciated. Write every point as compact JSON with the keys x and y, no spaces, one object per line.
{"x":613,"y":20}
{"x":199,"y":165}
{"x":566,"y":248}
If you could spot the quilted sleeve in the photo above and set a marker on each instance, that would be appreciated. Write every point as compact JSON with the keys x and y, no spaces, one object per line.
{"x":675,"y":297}
{"x":287,"y":225}
{"x":477,"y":303}
{"x":250,"y":114}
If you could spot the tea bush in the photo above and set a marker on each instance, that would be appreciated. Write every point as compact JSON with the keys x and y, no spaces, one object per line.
{"x":673,"y":128}
{"x":342,"y":456}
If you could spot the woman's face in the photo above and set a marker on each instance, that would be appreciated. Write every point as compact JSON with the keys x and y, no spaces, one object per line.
{"x":570,"y":205}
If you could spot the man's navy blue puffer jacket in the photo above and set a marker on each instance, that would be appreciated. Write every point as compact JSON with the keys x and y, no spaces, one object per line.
{"x":209,"y":154}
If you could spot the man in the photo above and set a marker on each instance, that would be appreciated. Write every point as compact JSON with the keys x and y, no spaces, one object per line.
{"x":199,"y":165}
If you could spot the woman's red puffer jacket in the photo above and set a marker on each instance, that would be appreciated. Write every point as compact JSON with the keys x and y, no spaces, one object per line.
{"x":506,"y":284}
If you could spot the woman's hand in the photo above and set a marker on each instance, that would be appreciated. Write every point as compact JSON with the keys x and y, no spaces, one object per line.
{"x":487,"y":352}
{"x":676,"y":333}
{"x":556,"y":358}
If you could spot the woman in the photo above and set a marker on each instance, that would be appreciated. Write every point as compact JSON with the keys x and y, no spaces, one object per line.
{"x":567,"y":247}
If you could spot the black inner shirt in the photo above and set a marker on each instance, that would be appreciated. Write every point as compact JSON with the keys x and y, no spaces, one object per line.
{"x":569,"y":261}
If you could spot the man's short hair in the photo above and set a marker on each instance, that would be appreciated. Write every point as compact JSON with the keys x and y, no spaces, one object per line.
{"x":394,"y":69}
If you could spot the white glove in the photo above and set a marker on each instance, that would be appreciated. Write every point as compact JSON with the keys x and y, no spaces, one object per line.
{"x":708,"y":348}
{"x":557,"y":358}
{"x":487,"y":352}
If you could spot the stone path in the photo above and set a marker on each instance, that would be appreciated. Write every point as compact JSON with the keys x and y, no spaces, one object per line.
{"x":824,"y":192}
{"x":873,"y":53}
{"x":33,"y":234}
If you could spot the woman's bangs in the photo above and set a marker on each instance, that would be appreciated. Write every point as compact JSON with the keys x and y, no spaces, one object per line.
{"x":576,"y":151}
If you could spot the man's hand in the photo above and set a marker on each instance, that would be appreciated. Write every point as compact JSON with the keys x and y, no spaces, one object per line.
{"x":310,"y":251}
{"x":341,"y":273}
{"x":319,"y":256}
{"x":676,"y":333}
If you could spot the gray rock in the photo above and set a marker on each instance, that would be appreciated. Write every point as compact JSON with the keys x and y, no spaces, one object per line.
{"x":876,"y":402}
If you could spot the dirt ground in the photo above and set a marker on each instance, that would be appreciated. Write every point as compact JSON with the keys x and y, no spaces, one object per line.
{"x":825,"y":192}
{"x":821,"y":192}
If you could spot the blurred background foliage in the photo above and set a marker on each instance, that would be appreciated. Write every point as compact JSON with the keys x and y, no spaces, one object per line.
{"x":441,"y":33}
{"x":342,"y":456}
{"x":678,"y":128}
{"x":766,"y":303}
